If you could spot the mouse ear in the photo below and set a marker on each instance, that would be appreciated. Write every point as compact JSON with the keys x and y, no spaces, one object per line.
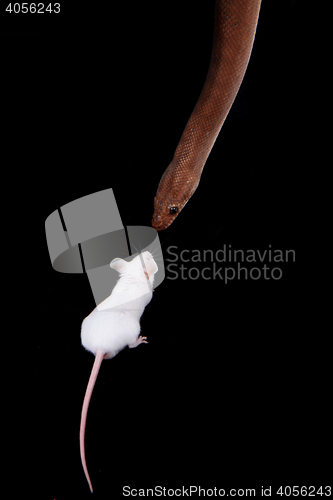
{"x":118,"y":264}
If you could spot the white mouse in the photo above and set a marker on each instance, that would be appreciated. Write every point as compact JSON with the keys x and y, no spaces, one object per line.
{"x":115,"y":323}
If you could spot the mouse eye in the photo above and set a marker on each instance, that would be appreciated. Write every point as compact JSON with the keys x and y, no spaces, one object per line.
{"x":173,"y":210}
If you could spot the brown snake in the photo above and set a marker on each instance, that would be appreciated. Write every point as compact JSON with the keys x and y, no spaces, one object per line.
{"x":234,"y":30}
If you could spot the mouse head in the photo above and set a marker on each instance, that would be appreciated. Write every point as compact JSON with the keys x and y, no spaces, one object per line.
{"x":142,"y":265}
{"x":149,"y":263}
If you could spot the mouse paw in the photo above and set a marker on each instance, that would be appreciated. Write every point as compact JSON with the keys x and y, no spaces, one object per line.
{"x":140,"y":340}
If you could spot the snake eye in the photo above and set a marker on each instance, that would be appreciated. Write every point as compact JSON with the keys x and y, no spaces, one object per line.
{"x":173,"y":210}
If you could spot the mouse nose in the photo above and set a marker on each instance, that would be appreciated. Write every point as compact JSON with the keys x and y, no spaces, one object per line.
{"x":85,"y":235}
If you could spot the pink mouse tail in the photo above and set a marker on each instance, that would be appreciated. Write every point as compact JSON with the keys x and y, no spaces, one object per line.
{"x":86,"y":401}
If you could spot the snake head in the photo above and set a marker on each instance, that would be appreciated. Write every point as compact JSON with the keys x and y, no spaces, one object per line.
{"x":168,"y":201}
{"x":174,"y":190}
{"x":165,"y":213}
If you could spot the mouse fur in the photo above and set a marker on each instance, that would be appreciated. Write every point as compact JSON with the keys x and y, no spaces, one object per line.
{"x":115,"y":323}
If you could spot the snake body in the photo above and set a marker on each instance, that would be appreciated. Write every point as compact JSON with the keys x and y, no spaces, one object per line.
{"x":235,"y":25}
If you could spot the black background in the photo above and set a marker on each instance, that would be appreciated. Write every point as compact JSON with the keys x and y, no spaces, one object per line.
{"x":223,"y":395}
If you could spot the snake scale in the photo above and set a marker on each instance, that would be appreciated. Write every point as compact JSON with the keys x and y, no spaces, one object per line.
{"x":235,"y":23}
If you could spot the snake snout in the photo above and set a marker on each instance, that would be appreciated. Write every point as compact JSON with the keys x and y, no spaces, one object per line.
{"x":157,"y":223}
{"x":165,"y":211}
